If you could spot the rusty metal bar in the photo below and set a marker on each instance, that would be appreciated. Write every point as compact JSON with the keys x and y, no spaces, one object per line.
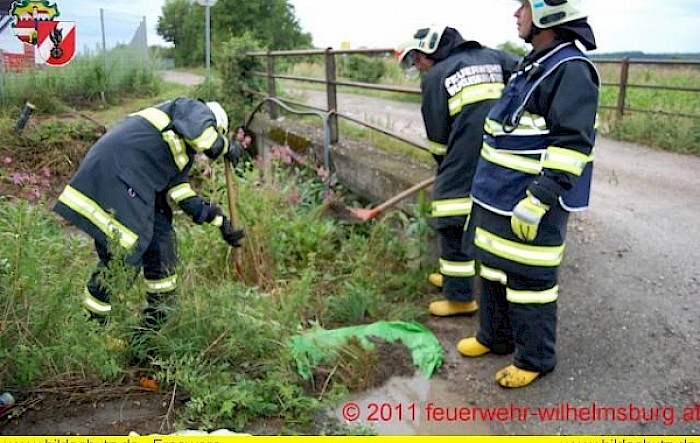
{"x":374,"y":86}
{"x":332,"y":95}
{"x":666,"y":113}
{"x":666,"y":88}
{"x":647,"y":111}
{"x":322,"y":52}
{"x":647,"y":61}
{"x":383,"y":131}
{"x":271,"y":87}
{"x":379,"y":87}
{"x":624,"y":76}
{"x":301,"y":79}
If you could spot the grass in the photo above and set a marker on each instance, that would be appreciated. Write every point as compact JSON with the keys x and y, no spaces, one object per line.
{"x":226,"y":344}
{"x":111,"y":114}
{"x":677,"y":134}
{"x":87,"y":80}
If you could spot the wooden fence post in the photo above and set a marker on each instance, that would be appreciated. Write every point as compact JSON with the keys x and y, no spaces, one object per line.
{"x":332,"y":94}
{"x":271,"y":87}
{"x":622,"y":94}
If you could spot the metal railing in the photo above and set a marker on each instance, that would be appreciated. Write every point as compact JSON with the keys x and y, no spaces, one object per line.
{"x":623,"y":85}
{"x":331,"y":82}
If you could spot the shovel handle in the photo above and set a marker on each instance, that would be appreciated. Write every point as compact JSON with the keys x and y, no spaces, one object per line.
{"x":233,"y":213}
{"x":402,"y":195}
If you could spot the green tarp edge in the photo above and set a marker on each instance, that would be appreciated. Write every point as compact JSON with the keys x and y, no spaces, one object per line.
{"x":314,"y":347}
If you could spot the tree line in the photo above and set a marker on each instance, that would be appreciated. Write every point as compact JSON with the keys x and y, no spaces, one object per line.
{"x":271,"y":23}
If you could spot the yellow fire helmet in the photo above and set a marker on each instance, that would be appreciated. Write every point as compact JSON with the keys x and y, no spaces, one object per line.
{"x":220,"y":115}
{"x":550,"y":13}
{"x":425,"y":40}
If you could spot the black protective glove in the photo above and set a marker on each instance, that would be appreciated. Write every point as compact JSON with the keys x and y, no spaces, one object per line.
{"x":231,"y":235}
{"x":235,"y":153}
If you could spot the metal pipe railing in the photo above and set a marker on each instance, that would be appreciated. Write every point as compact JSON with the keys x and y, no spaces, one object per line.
{"x":332,"y":84}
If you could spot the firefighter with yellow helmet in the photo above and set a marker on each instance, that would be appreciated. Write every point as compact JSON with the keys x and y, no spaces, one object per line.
{"x":535,"y":169}
{"x":461,"y":81}
{"x":119,"y":196}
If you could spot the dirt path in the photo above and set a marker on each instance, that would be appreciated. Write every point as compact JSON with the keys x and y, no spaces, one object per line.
{"x":629,"y":332}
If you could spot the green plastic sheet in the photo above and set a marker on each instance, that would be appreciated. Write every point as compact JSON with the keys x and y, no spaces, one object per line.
{"x":314,"y":347}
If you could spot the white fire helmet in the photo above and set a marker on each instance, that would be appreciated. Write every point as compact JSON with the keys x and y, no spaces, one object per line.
{"x":220,"y":115}
{"x":425,"y":40}
{"x":550,"y":13}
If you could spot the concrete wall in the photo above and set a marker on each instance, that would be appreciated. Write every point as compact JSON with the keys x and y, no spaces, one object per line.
{"x":368,"y":172}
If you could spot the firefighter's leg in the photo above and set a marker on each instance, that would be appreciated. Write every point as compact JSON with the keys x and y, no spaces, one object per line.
{"x":458,"y":272}
{"x":495,"y":332}
{"x":159,"y":270}
{"x":533,"y":314}
{"x":96,"y":297}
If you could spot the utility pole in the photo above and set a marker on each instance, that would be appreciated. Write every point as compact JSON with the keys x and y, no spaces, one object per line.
{"x":207,"y":34}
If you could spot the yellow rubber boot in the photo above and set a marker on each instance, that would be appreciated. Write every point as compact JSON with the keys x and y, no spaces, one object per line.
{"x":470,"y":347}
{"x":514,"y":377}
{"x":447,"y":308}
{"x":435,"y":279}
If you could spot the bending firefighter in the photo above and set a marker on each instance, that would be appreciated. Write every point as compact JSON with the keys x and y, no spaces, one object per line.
{"x":461,"y":81}
{"x":535,"y":169}
{"x":119,"y":196}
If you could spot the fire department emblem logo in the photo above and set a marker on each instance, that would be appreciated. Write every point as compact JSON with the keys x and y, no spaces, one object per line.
{"x":56,"y":42}
{"x":35,"y":24}
{"x":27,"y":16}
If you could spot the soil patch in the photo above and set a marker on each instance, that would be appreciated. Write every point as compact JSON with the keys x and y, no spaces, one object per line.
{"x":96,"y":411}
{"x":37,"y":163}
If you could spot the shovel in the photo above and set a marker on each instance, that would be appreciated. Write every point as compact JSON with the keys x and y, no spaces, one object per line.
{"x":233,"y":213}
{"x":362,"y":215}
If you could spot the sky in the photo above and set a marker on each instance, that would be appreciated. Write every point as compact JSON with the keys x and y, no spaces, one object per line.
{"x":651,"y":26}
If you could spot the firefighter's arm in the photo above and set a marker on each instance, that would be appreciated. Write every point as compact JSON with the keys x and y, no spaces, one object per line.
{"x":202,"y":211}
{"x":571,"y":112}
{"x":436,"y":117}
{"x":571,"y":115}
{"x":196,"y":124}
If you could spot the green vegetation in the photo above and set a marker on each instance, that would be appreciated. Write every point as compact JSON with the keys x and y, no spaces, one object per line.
{"x":85,"y":81}
{"x":226,"y":345}
{"x":272,"y":22}
{"x":362,"y":68}
{"x":677,"y":134}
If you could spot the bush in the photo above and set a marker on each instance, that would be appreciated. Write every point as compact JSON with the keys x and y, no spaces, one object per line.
{"x":234,"y":68}
{"x":362,"y":68}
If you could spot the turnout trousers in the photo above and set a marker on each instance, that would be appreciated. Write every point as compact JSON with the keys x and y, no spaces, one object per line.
{"x":518,"y":310}
{"x":158,"y":262}
{"x":456,"y":266}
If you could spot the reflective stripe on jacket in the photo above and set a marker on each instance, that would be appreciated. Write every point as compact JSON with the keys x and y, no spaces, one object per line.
{"x":519,"y":144}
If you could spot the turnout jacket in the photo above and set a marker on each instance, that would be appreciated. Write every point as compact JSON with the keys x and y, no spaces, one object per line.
{"x":539,"y":138}
{"x":540,"y":135}
{"x":457,"y":93}
{"x":128,"y":173}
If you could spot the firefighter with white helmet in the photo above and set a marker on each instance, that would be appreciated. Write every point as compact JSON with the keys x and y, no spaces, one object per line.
{"x":461,"y":81}
{"x":535,"y":169}
{"x":119,"y":196}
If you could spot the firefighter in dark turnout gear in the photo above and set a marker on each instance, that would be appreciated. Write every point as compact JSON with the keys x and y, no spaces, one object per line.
{"x":462,"y":80}
{"x":119,"y":196}
{"x":535,"y":169}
